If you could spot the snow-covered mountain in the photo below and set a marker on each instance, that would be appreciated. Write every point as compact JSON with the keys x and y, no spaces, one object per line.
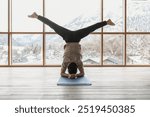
{"x":23,"y":40}
{"x":83,"y":21}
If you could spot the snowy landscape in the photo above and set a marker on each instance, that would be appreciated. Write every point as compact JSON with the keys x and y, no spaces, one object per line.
{"x":3,"y":49}
{"x":27,"y":49}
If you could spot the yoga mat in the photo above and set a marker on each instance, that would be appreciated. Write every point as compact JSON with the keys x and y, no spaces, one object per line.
{"x":83,"y":81}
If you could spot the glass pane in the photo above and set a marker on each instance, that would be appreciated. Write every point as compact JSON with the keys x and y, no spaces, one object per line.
{"x":138,"y":49}
{"x":114,"y":10}
{"x":27,"y":49}
{"x":3,"y":49}
{"x":73,"y":14}
{"x":91,"y":46}
{"x":54,"y":49}
{"x":20,"y":11}
{"x":113,"y":52}
{"x":138,"y":15}
{"x":3,"y":15}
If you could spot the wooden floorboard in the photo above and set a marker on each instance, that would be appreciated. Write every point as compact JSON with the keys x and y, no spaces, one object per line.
{"x":108,"y":83}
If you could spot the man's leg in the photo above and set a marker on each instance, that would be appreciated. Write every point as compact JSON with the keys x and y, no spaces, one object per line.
{"x":58,"y":29}
{"x":81,"y":33}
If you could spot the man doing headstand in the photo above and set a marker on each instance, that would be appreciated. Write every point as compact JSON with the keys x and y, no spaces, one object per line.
{"x":72,"y":49}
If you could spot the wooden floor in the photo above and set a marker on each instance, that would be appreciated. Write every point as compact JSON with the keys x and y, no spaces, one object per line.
{"x":107,"y":83}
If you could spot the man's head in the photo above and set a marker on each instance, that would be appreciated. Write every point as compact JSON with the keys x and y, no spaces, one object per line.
{"x":72,"y":68}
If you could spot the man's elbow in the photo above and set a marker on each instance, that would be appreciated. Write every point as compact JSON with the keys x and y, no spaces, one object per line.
{"x":83,"y":73}
{"x":80,"y":75}
{"x":64,"y":75}
{"x":61,"y":74}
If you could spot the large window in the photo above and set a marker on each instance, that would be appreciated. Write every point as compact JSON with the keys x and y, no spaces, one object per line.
{"x":27,"y":42}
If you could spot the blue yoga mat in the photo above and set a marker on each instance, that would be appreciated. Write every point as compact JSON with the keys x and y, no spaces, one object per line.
{"x":74,"y":82}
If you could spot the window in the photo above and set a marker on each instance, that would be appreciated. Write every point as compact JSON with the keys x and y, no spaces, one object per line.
{"x":26,"y":49}
{"x":3,"y":15}
{"x":3,"y":32}
{"x":114,"y":10}
{"x":54,"y":49}
{"x":91,"y":49}
{"x":138,"y":15}
{"x":31,"y":43}
{"x":138,"y":49}
{"x":20,"y":11}
{"x":113,"y":53}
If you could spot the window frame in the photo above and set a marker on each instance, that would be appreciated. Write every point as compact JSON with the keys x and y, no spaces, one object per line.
{"x":101,"y":33}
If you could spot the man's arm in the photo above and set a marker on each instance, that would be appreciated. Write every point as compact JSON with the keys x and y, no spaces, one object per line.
{"x":63,"y":74}
{"x":81,"y":74}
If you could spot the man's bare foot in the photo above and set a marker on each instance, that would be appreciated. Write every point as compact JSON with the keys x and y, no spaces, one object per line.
{"x":109,"y":22}
{"x":34,"y":15}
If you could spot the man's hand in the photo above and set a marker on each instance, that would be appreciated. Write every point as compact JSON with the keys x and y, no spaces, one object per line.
{"x":72,"y":76}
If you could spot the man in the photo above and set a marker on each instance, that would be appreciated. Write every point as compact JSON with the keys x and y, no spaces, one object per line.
{"x":72,"y":49}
